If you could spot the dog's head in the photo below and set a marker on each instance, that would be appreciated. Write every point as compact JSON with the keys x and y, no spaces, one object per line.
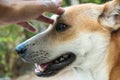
{"x":78,"y":37}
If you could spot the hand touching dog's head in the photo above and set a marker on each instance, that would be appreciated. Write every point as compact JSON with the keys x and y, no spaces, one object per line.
{"x":79,"y":38}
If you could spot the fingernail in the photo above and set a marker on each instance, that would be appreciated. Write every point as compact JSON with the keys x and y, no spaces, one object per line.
{"x":60,"y":11}
{"x":27,"y":26}
{"x":45,"y":19}
{"x":50,"y":21}
{"x":31,"y":29}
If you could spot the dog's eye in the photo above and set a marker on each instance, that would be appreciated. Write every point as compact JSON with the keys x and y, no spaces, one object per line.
{"x":60,"y":27}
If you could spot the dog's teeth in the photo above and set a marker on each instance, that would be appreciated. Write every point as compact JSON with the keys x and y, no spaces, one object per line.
{"x":56,"y":61}
{"x":41,"y":69}
{"x":36,"y":65}
{"x":62,"y":59}
{"x":36,"y":70}
{"x":65,"y":56}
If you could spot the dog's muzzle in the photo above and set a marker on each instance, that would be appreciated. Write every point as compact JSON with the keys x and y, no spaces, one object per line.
{"x":46,"y":67}
{"x":25,"y":52}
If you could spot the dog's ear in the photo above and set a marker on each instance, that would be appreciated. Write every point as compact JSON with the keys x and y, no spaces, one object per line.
{"x":110,"y":16}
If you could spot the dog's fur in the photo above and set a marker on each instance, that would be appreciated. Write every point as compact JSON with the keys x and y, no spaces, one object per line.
{"x":93,"y":36}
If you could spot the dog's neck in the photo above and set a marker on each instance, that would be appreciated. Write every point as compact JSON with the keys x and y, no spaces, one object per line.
{"x":82,"y":74}
{"x":94,"y":66}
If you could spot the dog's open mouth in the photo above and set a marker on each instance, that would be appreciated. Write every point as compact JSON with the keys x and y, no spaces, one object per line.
{"x":53,"y":67}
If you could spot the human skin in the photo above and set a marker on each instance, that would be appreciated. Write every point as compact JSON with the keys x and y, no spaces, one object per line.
{"x":20,"y":11}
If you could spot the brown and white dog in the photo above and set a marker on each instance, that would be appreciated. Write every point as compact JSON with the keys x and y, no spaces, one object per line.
{"x":83,"y":44}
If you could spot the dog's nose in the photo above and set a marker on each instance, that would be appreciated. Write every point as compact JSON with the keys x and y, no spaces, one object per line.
{"x":21,"y":49}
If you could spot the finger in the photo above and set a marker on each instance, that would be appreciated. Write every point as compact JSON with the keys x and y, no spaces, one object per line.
{"x":27,"y":26}
{"x":45,"y":19}
{"x":60,"y":11}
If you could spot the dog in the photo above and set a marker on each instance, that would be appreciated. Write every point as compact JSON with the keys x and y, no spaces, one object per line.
{"x":82,"y":44}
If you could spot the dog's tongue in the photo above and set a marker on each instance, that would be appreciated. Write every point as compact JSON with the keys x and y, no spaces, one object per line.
{"x":40,"y":68}
{"x":44,"y":66}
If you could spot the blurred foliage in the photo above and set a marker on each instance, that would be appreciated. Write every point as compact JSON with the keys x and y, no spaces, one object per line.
{"x":11,"y":35}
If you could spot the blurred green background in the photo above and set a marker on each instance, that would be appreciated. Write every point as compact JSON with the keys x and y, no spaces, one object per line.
{"x":11,"y":35}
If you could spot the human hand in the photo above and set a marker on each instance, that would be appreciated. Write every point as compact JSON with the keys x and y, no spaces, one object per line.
{"x":20,"y":11}
{"x":52,"y":7}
